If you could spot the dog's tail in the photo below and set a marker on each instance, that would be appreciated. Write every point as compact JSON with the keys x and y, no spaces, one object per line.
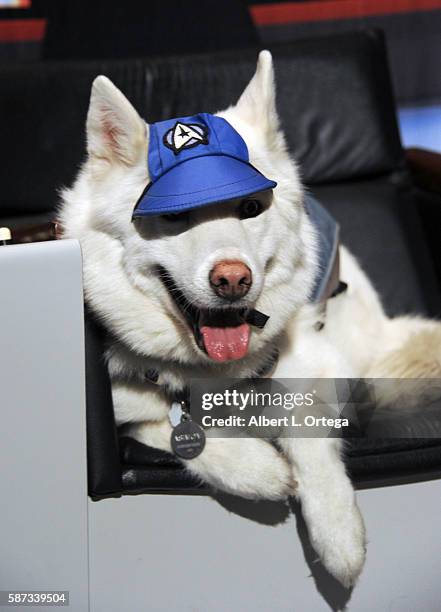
{"x":412,"y":350}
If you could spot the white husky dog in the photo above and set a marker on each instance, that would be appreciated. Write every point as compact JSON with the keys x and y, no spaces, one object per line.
{"x":277,"y":242}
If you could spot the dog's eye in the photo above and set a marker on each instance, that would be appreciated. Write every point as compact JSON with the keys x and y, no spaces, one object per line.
{"x":250,"y":208}
{"x":174,"y":217}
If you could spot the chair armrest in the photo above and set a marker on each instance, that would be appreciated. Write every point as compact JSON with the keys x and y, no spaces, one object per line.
{"x":425,"y":167}
{"x":103,"y":463}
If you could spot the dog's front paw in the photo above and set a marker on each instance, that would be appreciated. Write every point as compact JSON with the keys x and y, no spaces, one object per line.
{"x":339,"y":539}
{"x":251,"y":468}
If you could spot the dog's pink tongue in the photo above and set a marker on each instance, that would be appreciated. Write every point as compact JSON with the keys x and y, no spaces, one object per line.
{"x":224,"y":343}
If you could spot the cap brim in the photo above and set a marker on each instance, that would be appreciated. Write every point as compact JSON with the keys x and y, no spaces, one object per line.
{"x":201,"y":181}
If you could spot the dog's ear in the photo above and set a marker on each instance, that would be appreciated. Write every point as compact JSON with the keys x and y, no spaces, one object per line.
{"x":115,"y":131}
{"x":257,"y":104}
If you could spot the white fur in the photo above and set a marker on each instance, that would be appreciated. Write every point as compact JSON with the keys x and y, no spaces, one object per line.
{"x":280,"y":247}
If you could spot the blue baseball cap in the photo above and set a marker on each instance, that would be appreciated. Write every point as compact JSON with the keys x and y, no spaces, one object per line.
{"x":196,"y":161}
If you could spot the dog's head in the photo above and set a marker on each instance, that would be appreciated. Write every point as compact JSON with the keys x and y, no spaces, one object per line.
{"x":179,"y":286}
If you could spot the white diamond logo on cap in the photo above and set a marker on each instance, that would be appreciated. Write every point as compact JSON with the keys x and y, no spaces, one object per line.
{"x":185,"y":136}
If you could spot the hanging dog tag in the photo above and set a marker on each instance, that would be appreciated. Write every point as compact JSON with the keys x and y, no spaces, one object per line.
{"x":175,"y":414}
{"x":187,"y":438}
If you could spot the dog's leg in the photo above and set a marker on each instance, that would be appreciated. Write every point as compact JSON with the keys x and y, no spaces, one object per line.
{"x":328,"y":504}
{"x":248,"y":467}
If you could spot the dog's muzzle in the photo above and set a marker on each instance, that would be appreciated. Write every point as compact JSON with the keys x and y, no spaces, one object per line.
{"x":223,"y":334}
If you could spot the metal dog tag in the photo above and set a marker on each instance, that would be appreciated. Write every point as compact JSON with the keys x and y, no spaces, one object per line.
{"x":187,"y":438}
{"x":175,"y":414}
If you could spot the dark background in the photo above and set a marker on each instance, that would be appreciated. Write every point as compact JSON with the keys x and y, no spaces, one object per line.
{"x":90,"y":29}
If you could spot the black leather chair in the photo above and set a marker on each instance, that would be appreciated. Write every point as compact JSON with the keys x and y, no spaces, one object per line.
{"x":337,"y":109}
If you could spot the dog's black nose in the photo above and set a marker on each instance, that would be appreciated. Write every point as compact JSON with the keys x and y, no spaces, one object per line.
{"x":231,"y":279}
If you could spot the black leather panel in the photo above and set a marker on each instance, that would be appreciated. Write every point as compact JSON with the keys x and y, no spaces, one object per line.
{"x":429,"y":208}
{"x":337,"y":107}
{"x":103,"y":463}
{"x":334,"y":99}
{"x":141,"y":479}
{"x":133,"y":452}
{"x":369,"y":463}
{"x":396,"y":467}
{"x":381,"y":227}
